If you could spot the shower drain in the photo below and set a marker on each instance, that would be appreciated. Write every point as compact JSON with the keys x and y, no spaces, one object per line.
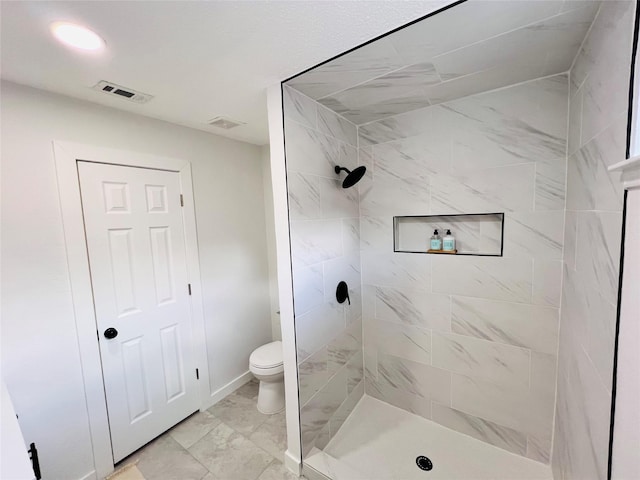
{"x":424,"y":463}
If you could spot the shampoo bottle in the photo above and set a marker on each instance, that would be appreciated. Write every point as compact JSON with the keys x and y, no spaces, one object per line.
{"x":436,"y":241}
{"x":448,"y":242}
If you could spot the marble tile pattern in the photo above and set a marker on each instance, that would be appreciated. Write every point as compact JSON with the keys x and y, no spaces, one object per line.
{"x":502,"y":364}
{"x":531,"y":42}
{"x":390,"y":94}
{"x":531,"y":327}
{"x":468,"y":340}
{"x":509,"y":188}
{"x":316,"y":413}
{"x":344,"y":347}
{"x":397,"y":270}
{"x":231,"y":441}
{"x":424,"y":65}
{"x":424,"y":40}
{"x":356,"y":67}
{"x":413,"y":307}
{"x":479,"y":428}
{"x":599,"y":84}
{"x":498,"y":278}
{"x":406,"y":341}
{"x":325,"y":249}
{"x":313,"y":374}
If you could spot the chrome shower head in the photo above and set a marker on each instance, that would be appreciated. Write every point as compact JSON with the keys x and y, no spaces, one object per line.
{"x":353,"y":176}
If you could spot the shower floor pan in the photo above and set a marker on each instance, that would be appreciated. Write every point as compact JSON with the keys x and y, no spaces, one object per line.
{"x":381,"y":442}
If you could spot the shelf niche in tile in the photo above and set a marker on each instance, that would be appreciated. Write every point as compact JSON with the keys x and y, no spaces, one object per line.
{"x":479,"y":234}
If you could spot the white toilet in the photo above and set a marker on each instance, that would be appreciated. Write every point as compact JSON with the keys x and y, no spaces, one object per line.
{"x":266,"y":365}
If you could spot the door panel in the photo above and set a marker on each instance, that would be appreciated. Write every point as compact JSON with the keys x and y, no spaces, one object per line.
{"x":136,"y":381}
{"x":171,"y":357}
{"x":135,"y":238}
{"x":162,"y":262}
{"x":116,"y":197}
{"x":121,"y":260}
{"x":156,"y":198}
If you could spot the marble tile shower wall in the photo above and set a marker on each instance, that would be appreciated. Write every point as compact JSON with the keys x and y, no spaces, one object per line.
{"x":469,"y":342}
{"x":325,"y":249}
{"x":599,"y":86}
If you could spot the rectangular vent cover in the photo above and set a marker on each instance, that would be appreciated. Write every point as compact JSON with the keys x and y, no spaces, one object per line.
{"x":225,"y":123}
{"x":122,"y":92}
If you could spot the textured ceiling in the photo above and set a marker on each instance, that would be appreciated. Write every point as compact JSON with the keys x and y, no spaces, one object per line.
{"x":473,"y":47}
{"x":200,"y":59}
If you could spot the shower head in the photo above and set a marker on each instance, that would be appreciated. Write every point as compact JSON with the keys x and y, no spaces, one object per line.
{"x":353,"y":176}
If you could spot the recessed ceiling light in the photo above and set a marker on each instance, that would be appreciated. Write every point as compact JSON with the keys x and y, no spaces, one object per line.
{"x":77,"y":36}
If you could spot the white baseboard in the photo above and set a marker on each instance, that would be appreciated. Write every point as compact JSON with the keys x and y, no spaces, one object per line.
{"x":292,"y":463}
{"x":90,"y":476}
{"x":227,"y":389}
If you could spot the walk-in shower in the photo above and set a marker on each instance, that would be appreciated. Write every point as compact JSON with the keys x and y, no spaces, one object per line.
{"x":495,"y":120}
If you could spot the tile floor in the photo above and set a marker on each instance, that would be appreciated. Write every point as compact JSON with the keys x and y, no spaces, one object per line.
{"x":230,"y":441}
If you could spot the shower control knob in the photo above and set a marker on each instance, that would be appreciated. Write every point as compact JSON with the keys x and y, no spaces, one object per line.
{"x":342,"y":292}
{"x":110,"y":333}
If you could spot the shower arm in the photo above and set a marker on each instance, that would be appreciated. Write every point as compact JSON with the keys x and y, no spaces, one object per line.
{"x":338,"y":169}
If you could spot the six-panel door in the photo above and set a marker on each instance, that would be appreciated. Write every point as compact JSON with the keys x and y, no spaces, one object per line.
{"x":135,"y":238}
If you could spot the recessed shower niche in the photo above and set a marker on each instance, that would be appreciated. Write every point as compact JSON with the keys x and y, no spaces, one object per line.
{"x":479,"y":234}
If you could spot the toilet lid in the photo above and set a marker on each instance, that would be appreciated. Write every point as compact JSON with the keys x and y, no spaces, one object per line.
{"x":267,"y":356}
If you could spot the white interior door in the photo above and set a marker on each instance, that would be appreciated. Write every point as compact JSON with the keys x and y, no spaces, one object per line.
{"x":135,"y":239}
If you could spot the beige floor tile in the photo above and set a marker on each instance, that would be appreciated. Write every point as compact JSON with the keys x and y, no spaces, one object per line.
{"x":249,"y":390}
{"x":216,"y":440}
{"x":165,"y":459}
{"x":128,"y":472}
{"x":192,"y":429}
{"x":229,"y":455}
{"x":272,"y":435}
{"x":277,"y":471}
{"x":239,"y":412}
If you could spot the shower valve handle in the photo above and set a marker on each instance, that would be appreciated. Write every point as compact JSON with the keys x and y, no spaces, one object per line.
{"x":342,"y":292}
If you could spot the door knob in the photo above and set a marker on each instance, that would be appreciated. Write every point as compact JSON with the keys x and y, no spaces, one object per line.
{"x":110,"y":333}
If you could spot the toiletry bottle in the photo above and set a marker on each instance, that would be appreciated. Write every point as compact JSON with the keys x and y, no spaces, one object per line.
{"x":436,"y":241}
{"x":448,"y":242}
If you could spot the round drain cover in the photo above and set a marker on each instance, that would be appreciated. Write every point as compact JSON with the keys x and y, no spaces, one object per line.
{"x":424,"y":463}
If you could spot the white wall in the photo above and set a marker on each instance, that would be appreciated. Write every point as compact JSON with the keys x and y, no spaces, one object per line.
{"x":40,"y":359}
{"x":276,"y":332}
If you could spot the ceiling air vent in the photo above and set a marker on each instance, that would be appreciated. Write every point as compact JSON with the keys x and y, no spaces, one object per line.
{"x":122,"y":92}
{"x":224,"y":122}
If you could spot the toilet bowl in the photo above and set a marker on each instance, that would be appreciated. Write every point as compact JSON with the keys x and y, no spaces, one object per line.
{"x":265,"y":363}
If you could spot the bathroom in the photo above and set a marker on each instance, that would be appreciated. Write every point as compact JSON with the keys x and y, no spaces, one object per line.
{"x":336,"y":335}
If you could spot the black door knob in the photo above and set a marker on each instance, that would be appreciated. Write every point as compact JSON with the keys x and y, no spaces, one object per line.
{"x":110,"y":333}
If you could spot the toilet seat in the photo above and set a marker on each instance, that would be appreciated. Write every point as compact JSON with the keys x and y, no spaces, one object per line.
{"x":267,"y":357}
{"x":266,"y":372}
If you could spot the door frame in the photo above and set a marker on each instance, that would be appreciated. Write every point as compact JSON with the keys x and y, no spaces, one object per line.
{"x":66,"y":156}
